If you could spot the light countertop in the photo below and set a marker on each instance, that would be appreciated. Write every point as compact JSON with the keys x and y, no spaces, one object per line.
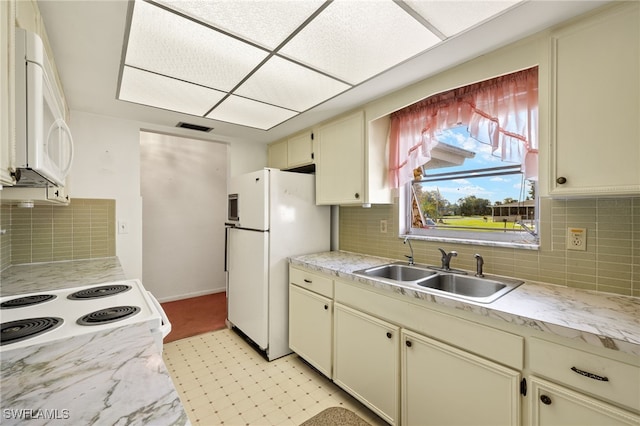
{"x":110,"y":377}
{"x":601,"y":319}
{"x":107,"y":378}
{"x":34,"y":277}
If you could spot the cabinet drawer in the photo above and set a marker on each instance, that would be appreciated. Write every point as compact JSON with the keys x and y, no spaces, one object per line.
{"x":315,"y":282}
{"x":603,"y":377}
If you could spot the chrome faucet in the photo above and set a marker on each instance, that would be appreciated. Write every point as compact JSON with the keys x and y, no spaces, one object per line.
{"x":479,"y":263}
{"x":446,"y":258}
{"x":407,"y":240}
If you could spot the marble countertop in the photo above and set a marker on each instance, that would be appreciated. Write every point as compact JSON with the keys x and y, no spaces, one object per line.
{"x":34,"y":277}
{"x":106,"y":378}
{"x":601,"y":319}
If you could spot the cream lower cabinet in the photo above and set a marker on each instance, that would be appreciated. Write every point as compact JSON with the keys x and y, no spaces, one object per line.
{"x":310,"y":327}
{"x":442,"y":385}
{"x":556,"y":405}
{"x":366,"y":360}
{"x":578,"y":386}
{"x":311,"y":318}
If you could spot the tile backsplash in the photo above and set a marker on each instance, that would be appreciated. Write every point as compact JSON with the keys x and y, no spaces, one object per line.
{"x":611,"y":262}
{"x":83,"y":230}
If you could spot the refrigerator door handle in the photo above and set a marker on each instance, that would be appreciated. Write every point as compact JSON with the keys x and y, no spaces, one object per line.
{"x":226,"y":247}
{"x":227,"y":227}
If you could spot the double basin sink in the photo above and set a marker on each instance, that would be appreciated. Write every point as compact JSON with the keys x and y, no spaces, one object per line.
{"x":454,"y":284}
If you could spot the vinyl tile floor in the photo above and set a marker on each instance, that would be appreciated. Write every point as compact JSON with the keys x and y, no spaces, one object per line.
{"x":222,"y":380}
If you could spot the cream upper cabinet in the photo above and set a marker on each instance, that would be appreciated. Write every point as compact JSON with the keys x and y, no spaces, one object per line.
{"x":7,"y":92}
{"x":277,"y":155}
{"x":352,"y":162}
{"x":340,"y":161}
{"x":595,"y":105}
{"x":442,"y":385}
{"x":293,"y":152}
{"x":300,"y":150}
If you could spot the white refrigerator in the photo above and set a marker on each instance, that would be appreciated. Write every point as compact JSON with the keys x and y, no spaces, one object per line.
{"x":274,"y":216}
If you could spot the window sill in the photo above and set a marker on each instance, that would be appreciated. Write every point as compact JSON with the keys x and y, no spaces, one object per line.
{"x":472,"y":241}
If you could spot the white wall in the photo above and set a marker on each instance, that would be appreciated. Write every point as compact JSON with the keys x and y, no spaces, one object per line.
{"x":107,"y":165}
{"x":183,"y":215}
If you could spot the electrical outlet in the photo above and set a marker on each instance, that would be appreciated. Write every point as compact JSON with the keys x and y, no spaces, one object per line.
{"x":577,"y":239}
{"x":383,"y":226}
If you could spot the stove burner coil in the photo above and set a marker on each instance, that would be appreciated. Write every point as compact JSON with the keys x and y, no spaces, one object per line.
{"x":108,"y":315}
{"x":24,"y":301}
{"x":97,"y":292}
{"x":23,"y":329}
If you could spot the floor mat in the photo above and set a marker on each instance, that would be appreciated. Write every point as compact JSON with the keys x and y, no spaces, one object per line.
{"x":335,"y":416}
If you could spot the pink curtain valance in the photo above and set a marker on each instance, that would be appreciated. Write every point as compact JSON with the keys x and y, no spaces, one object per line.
{"x":501,"y":112}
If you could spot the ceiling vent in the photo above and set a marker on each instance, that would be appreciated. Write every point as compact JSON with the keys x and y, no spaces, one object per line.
{"x":194,"y":127}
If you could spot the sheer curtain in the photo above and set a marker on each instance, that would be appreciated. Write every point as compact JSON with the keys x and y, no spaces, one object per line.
{"x":501,"y":112}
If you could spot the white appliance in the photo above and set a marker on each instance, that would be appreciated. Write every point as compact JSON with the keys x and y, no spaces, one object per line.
{"x":274,"y":216}
{"x":48,"y":316}
{"x":44,"y":146}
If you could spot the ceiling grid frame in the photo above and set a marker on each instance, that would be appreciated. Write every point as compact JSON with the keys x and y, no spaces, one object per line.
{"x":265,"y":101}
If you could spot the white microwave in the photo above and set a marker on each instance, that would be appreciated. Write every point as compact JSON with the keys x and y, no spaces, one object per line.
{"x":44,"y":146}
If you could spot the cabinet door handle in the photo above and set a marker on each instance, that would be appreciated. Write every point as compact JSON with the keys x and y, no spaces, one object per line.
{"x":307,"y":281}
{"x":408,"y":343}
{"x":590,"y":375}
{"x":326,"y":307}
{"x":545,"y":399}
{"x":561,"y":180}
{"x":357,"y":195}
{"x":389,"y":335}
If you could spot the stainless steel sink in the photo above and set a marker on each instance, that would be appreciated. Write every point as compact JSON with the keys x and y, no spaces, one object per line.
{"x":397,"y":272}
{"x":455,"y":285}
{"x":464,"y":285}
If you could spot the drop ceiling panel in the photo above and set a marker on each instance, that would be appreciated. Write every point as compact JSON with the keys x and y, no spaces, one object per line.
{"x":165,"y":43}
{"x":146,"y":88}
{"x":356,"y":40}
{"x":289,"y":85}
{"x":266,"y":23}
{"x":452,"y":17}
{"x":247,"y":112}
{"x":259,"y":63}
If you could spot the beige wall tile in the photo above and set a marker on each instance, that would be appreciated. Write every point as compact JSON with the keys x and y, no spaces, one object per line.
{"x":83,"y":230}
{"x":611,"y":262}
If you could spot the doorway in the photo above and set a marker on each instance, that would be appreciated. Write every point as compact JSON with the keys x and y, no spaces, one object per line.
{"x":183,"y":183}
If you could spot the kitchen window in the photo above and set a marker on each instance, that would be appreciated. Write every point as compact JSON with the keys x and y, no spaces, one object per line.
{"x":471,"y":157}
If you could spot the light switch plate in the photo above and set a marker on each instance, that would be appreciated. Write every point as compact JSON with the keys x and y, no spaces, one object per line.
{"x":576,"y":239}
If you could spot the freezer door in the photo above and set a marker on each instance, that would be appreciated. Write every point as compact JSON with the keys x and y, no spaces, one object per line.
{"x":253,"y":199}
{"x":249,"y":284}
